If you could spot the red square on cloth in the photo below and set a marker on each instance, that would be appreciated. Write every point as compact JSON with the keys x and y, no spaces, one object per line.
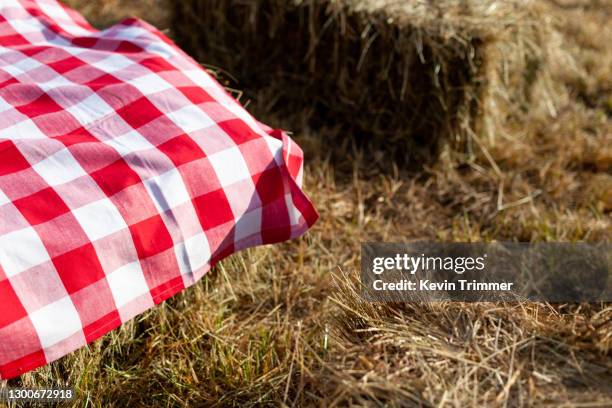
{"x":182,"y":149}
{"x":139,"y":113}
{"x":42,"y":206}
{"x":115,"y":177}
{"x":11,"y":309}
{"x":44,"y":104}
{"x":11,"y":158}
{"x":79,"y":268}
{"x":213,"y":209}
{"x":150,"y":237}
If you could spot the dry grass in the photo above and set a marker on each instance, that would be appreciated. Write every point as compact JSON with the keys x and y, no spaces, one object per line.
{"x":283,"y":325}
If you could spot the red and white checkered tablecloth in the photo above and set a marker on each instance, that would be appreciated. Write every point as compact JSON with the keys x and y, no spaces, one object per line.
{"x":126,"y":171}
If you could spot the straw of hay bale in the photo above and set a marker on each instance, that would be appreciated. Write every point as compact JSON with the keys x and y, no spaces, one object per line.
{"x":402,"y":74}
{"x":103,"y":13}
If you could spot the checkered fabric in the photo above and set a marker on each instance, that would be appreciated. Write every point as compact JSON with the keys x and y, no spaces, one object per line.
{"x":126,"y":171}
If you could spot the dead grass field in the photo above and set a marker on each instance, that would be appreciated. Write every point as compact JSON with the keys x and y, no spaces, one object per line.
{"x":284,"y":325}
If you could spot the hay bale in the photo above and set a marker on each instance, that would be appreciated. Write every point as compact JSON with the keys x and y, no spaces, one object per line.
{"x":103,"y":13}
{"x":402,"y":74}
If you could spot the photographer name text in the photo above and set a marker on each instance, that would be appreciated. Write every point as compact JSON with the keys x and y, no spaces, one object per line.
{"x":428,"y":285}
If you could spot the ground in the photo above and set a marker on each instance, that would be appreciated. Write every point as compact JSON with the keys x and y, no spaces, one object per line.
{"x":284,"y":325}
